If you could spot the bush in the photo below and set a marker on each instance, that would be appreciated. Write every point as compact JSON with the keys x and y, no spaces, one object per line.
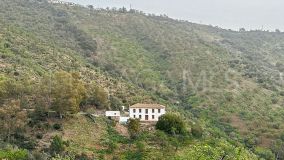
{"x":40,"y":114}
{"x":57,"y":126}
{"x":39,"y":135}
{"x":197,"y":131}
{"x":23,"y":141}
{"x":250,"y":142}
{"x":7,"y":45}
{"x":282,"y":136}
{"x":30,"y":145}
{"x":57,"y":145}
{"x":133,"y":126}
{"x":82,"y":156}
{"x":264,"y":153}
{"x":111,"y":146}
{"x":274,"y":100}
{"x":276,"y":125}
{"x":171,"y":124}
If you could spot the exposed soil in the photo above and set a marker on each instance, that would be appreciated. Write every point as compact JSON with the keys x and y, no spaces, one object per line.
{"x":122,"y":130}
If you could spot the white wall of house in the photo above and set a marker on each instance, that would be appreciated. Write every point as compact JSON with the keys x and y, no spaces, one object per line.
{"x":153,"y":114}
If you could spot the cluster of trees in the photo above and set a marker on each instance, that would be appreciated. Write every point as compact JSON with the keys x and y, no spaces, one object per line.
{"x":65,"y":92}
{"x":25,"y":104}
{"x":169,"y":123}
{"x":114,"y":9}
{"x":12,"y":119}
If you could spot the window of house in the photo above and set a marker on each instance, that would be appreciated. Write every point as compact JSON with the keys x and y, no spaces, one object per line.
{"x":134,"y":116}
{"x":140,"y":110}
{"x":140,"y":116}
{"x":159,"y":110}
{"x":153,"y":116}
{"x":153,"y":110}
{"x":146,"y":117}
{"x":146,"y":110}
{"x":134,"y":110}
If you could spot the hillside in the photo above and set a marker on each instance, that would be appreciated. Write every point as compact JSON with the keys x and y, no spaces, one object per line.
{"x":228,"y":82}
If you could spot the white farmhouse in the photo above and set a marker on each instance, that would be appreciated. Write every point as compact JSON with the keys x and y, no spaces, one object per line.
{"x":147,"y":112}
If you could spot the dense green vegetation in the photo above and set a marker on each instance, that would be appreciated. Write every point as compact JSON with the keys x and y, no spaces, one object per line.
{"x":133,"y":127}
{"x":225,"y":86}
{"x":171,"y":124}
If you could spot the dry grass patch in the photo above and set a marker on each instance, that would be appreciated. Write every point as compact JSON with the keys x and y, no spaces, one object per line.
{"x":238,"y":123}
{"x":83,"y":134}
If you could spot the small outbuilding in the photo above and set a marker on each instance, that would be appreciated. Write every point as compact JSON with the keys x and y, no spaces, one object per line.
{"x":115,"y":115}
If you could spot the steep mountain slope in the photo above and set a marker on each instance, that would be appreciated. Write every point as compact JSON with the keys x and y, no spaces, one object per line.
{"x":230,"y":82}
{"x":235,"y":75}
{"x":42,"y":41}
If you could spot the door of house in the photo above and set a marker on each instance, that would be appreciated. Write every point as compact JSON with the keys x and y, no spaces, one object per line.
{"x":146,"y":117}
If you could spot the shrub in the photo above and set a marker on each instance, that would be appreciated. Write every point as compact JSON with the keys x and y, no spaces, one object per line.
{"x":82,"y":156}
{"x":250,"y":142}
{"x":23,"y":141}
{"x":40,"y":114}
{"x":264,"y":153}
{"x":16,"y":73}
{"x":7,"y":45}
{"x":276,"y":125}
{"x":140,"y":146}
{"x":57,"y":145}
{"x":197,"y":131}
{"x":282,"y":137}
{"x":39,"y":135}
{"x":30,"y":144}
{"x":171,"y":124}
{"x":133,"y":126}
{"x":57,"y":126}
{"x":274,"y":100}
{"x":111,"y":146}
